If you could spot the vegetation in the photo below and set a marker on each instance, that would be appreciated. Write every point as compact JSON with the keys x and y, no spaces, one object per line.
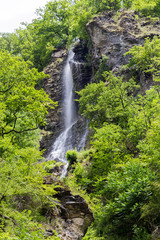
{"x":119,"y":174}
{"x":22,"y":111}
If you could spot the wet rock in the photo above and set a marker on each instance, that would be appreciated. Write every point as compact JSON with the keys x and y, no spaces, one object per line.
{"x":81,"y":67}
{"x":74,"y":216}
{"x":71,"y":217}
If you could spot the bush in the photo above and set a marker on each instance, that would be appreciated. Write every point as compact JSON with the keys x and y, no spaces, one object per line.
{"x":71,"y":156}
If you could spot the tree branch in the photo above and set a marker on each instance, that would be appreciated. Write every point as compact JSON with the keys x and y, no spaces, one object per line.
{"x":7,"y":89}
{"x":22,"y":131}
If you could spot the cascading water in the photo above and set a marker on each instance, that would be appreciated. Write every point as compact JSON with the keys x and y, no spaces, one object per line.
{"x":68,"y":92}
{"x":64,"y":142}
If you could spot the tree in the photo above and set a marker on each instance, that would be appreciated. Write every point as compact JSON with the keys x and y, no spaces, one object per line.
{"x":109,"y":149}
{"x":22,"y":111}
{"x":146,"y":59}
{"x":107,"y":101}
{"x":49,"y":31}
{"x":143,"y":6}
{"x":125,"y":191}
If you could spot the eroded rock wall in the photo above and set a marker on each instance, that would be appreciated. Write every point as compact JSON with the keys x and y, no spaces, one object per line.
{"x":114,"y":33}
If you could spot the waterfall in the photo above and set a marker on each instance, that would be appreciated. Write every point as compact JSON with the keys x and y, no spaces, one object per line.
{"x":68,"y":92}
{"x":64,"y":142}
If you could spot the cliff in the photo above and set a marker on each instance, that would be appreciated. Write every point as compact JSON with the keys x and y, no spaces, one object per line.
{"x":114,"y":33}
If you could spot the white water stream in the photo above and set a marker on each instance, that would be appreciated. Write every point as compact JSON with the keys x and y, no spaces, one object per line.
{"x":64,"y":142}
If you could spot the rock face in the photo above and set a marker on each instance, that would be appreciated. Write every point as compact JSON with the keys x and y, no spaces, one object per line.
{"x":113,"y":34}
{"x":71,"y":217}
{"x":81,"y":68}
{"x":53,"y":85}
{"x":74,"y":216}
{"x":82,"y":74}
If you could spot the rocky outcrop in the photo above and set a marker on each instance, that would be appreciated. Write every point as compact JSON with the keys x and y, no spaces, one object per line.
{"x":71,"y":217}
{"x":114,"y":33}
{"x":113,"y":37}
{"x":74,"y":216}
{"x":54,"y":87}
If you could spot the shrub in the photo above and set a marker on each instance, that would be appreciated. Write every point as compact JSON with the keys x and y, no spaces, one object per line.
{"x":71,"y":156}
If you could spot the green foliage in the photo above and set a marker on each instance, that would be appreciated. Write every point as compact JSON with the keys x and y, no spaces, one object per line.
{"x":22,"y":111}
{"x":49,"y":31}
{"x":146,"y":58}
{"x":102,"y":67}
{"x":103,"y":5}
{"x":150,"y":145}
{"x":23,"y":226}
{"x":80,"y":13}
{"x":80,"y":171}
{"x":71,"y":156}
{"x":122,"y":170}
{"x":107,"y":101}
{"x":125,"y":191}
{"x":88,"y":103}
{"x":23,"y":107}
{"x":92,"y":234}
{"x":144,"y":6}
{"x":142,"y":113}
{"x":110,"y":148}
